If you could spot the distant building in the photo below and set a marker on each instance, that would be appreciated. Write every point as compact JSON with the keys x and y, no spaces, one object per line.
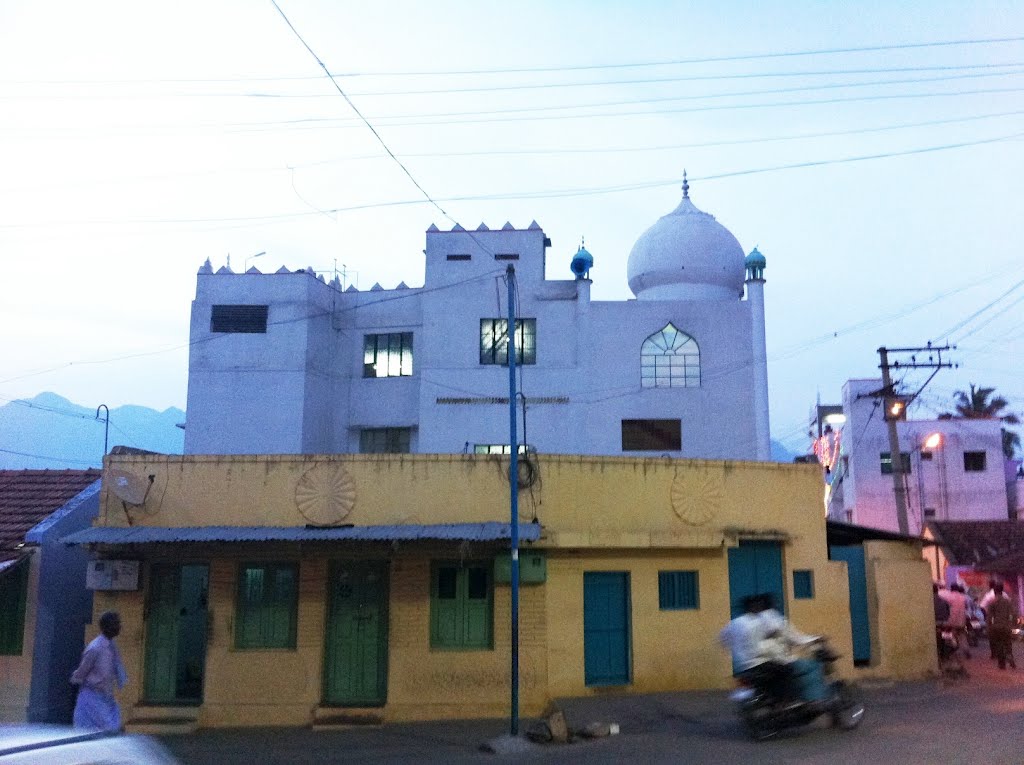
{"x":290,"y":363}
{"x":954,"y":469}
{"x":44,"y":604}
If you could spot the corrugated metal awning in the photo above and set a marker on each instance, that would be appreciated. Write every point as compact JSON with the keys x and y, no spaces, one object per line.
{"x":456,"y":532}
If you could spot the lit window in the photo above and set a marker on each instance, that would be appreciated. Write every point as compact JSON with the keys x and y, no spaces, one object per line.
{"x":494,"y":341}
{"x":248,"y":319}
{"x":461,"y":605}
{"x":387,"y":355}
{"x":651,"y":435}
{"x":266,"y":608}
{"x":974,"y":462}
{"x":670,"y":359}
{"x":498,"y":449}
{"x":384,"y":440}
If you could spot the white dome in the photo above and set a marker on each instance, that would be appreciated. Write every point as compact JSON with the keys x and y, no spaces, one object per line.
{"x":686,"y":255}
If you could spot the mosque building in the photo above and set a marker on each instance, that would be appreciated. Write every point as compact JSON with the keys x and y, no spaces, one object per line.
{"x":289,"y":363}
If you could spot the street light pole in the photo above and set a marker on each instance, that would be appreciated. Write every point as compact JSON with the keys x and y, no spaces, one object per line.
{"x":106,"y":425}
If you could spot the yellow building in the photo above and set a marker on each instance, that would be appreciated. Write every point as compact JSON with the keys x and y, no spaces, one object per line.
{"x":291,"y":590}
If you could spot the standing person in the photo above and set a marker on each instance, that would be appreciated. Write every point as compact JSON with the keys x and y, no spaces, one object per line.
{"x":99,"y":674}
{"x":999,"y":618}
{"x":987,"y":600}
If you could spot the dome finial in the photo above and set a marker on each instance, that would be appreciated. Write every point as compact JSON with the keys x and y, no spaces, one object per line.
{"x":686,"y":186}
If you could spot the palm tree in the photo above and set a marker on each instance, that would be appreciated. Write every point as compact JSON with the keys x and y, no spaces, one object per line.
{"x":980,"y":404}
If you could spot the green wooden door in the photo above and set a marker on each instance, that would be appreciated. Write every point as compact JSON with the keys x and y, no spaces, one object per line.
{"x":176,"y":615}
{"x":356,"y":650}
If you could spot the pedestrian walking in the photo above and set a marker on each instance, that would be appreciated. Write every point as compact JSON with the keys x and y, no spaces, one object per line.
{"x":999,"y":618}
{"x":99,"y":674}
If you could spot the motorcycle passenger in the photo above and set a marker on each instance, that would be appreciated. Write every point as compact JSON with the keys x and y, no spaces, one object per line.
{"x":957,"y":619}
{"x":782,"y":643}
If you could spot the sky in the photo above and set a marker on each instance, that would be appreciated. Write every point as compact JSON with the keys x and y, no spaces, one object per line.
{"x":883,"y":186}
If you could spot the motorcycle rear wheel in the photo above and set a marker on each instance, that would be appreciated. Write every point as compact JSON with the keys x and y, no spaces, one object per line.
{"x":849,"y":709}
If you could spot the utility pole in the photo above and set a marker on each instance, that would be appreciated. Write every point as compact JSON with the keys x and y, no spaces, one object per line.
{"x":513,"y":480}
{"x":895,"y":410}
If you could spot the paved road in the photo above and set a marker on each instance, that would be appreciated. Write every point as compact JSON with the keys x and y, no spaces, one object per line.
{"x":976,"y":720}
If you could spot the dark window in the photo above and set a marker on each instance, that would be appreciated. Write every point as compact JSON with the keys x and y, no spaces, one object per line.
{"x":461,"y":605}
{"x":974,"y":462}
{"x":267,"y":602}
{"x":460,"y":256}
{"x":927,"y":456}
{"x":885,"y":462}
{"x":651,"y":435}
{"x":384,"y":440}
{"x":506,"y":256}
{"x":678,"y":590}
{"x":250,"y":319}
{"x":929,"y":512}
{"x":387,"y":355}
{"x":13,"y":593}
{"x":494,"y":341}
{"x":803,"y":584}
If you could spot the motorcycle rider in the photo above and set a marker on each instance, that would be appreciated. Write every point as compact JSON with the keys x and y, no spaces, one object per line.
{"x":761,"y":635}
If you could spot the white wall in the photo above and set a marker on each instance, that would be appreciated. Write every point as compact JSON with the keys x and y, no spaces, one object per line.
{"x":299,"y":388}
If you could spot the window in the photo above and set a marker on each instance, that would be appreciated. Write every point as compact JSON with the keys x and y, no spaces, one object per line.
{"x":461,"y":605}
{"x":266,"y":610}
{"x":927,"y":456}
{"x":929,"y":512}
{"x":494,"y":341}
{"x":498,"y":449}
{"x":651,"y":435}
{"x":460,"y":256}
{"x":251,"y":319}
{"x":13,"y":592}
{"x":678,"y":590}
{"x":387,"y":355}
{"x":974,"y":462}
{"x":506,"y":256}
{"x":384,"y":440}
{"x":803,"y":584}
{"x":670,"y":359}
{"x":885,"y":462}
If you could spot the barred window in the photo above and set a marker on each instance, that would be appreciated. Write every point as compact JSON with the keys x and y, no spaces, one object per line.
{"x":248,"y":319}
{"x":670,"y":359}
{"x":494,"y":341}
{"x":387,"y":355}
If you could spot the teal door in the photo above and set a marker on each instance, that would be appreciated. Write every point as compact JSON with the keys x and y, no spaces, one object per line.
{"x":176,"y":616}
{"x":861,"y":628}
{"x":356,"y":650}
{"x":606,"y":628}
{"x":755,"y":568}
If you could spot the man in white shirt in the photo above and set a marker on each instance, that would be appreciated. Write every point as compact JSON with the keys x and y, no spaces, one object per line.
{"x":99,"y":674}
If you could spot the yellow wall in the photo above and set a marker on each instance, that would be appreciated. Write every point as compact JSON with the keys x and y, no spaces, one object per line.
{"x":16,"y":671}
{"x":598,"y":514}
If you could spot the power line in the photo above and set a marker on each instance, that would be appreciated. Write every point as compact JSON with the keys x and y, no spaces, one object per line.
{"x":702,"y":60}
{"x":983,"y":309}
{"x":51,"y":459}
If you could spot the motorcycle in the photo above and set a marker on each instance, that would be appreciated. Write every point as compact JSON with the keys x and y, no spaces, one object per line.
{"x":767,"y":707}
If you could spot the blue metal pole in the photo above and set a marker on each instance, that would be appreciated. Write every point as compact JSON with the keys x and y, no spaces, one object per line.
{"x":513,"y":470}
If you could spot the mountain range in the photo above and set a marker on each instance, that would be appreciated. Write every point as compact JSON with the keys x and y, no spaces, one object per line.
{"x":49,"y":431}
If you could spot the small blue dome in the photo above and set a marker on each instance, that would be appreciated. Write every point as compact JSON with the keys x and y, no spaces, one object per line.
{"x":582,"y":262}
{"x":755,"y":258}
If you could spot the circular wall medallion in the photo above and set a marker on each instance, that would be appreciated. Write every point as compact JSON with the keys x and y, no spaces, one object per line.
{"x":696,"y":495}
{"x":325,"y":495}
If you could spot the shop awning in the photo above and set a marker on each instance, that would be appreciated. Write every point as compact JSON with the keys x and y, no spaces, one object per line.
{"x":150,"y":535}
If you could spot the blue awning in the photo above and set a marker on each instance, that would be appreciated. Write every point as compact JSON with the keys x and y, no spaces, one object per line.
{"x":454,"y":532}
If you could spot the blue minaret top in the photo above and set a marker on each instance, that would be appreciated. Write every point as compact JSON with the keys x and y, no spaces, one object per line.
{"x":582,"y":262}
{"x":755,"y":263}
{"x":686,"y":186}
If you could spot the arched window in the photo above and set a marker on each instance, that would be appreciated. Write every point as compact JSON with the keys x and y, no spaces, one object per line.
{"x":670,"y":359}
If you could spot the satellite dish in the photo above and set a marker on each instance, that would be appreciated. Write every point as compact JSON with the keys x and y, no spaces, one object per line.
{"x":129,"y":487}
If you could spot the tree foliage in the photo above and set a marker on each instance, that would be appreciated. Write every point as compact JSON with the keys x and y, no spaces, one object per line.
{"x":979,"y":403}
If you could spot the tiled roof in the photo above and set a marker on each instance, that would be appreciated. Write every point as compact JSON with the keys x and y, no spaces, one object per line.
{"x":991,"y":544}
{"x":29,"y":496}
